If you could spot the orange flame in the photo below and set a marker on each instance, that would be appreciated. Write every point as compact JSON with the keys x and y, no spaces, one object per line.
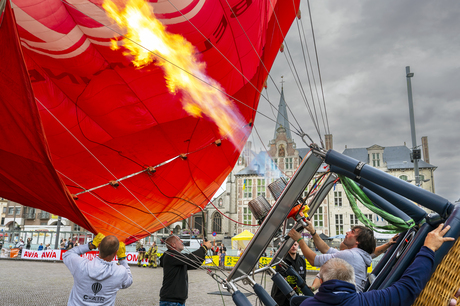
{"x":147,"y":40}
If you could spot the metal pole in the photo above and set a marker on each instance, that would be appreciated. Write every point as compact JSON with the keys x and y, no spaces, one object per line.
{"x":14,"y":222}
{"x":412,"y":123}
{"x":58,"y":229}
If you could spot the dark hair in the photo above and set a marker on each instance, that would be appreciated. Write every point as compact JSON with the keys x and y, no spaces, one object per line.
{"x":108,"y":246}
{"x":365,"y":238}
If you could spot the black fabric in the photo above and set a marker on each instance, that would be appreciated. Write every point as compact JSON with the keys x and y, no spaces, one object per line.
{"x":299,"y":266}
{"x":175,"y":278}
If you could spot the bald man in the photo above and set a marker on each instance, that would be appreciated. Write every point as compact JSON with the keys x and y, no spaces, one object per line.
{"x":174,"y":291}
{"x":97,"y":282}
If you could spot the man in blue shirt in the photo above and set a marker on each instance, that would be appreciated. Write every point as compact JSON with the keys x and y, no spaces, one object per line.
{"x":338,"y":287}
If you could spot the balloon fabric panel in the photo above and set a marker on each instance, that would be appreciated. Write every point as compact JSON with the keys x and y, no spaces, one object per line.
{"x":111,"y":120}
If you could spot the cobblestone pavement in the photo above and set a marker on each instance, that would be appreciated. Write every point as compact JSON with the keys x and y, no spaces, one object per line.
{"x":24,"y":282}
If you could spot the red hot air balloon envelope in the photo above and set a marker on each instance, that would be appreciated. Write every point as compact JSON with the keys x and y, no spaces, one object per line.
{"x":86,"y":135}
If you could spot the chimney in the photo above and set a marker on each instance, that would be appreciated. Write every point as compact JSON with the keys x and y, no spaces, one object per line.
{"x":426,"y":153}
{"x":328,"y":138}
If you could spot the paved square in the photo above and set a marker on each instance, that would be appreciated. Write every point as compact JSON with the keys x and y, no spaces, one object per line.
{"x":24,"y":282}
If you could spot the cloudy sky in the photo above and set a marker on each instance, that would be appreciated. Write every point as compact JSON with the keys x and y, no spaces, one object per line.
{"x":363,"y":48}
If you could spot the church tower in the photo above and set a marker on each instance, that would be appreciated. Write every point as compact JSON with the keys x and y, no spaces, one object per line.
{"x":282,"y":148}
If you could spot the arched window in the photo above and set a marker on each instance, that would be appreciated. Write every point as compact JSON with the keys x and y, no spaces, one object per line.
{"x":217,"y":222}
{"x":403,"y":177}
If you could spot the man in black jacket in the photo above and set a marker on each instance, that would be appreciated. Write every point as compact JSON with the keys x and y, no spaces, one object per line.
{"x":175,"y":265}
{"x":298,"y":263}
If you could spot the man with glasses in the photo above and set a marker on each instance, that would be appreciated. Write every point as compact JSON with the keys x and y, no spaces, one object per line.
{"x":360,"y":243}
{"x":174,"y":291}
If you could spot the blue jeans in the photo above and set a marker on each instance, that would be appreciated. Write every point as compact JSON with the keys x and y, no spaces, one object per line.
{"x":165,"y":303}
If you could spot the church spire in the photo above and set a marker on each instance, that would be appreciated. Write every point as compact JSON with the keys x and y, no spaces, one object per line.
{"x":282,"y":118}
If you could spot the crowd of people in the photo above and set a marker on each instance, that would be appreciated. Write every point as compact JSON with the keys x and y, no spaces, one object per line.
{"x":341,"y":279}
{"x":64,"y":244}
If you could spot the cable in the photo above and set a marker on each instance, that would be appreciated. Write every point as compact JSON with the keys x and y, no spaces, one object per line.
{"x":317,"y":61}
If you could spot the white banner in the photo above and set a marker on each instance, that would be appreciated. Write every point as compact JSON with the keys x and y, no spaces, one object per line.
{"x":57,"y":255}
{"x":130,"y":256}
{"x":43,"y":255}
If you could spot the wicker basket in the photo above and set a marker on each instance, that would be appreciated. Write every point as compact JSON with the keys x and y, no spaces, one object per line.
{"x":444,"y":282}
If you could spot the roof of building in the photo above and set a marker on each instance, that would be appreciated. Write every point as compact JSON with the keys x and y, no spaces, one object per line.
{"x":303,"y":152}
{"x":396,"y":157}
{"x":282,"y":118}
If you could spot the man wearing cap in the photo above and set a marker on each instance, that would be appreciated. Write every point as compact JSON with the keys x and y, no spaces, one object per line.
{"x":97,"y":281}
{"x":298,"y":263}
{"x":174,"y":291}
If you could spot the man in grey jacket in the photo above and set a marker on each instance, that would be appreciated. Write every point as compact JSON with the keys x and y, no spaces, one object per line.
{"x":96,"y":282}
{"x":360,"y":243}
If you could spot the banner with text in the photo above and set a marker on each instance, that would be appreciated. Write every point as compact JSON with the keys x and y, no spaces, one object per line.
{"x":43,"y":255}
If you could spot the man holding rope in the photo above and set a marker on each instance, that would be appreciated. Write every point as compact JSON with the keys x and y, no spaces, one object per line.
{"x":174,"y":291}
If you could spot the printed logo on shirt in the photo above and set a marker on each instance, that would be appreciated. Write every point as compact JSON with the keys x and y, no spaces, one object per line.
{"x":301,"y":270}
{"x":96,"y":287}
{"x":93,"y":299}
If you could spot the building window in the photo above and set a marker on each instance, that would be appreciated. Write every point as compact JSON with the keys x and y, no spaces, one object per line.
{"x":338,"y":224}
{"x":76,"y":227}
{"x":403,"y":177}
{"x":338,"y":198}
{"x":217,"y":223}
{"x":353,"y":220}
{"x":288,"y":163}
{"x":198,"y":223}
{"x":247,"y":216}
{"x":422,"y":177}
{"x":4,"y":210}
{"x":261,"y":187}
{"x":11,"y":210}
{"x":369,"y":216}
{"x":305,"y":193}
{"x":376,"y":159}
{"x":247,"y":187}
{"x":318,"y":217}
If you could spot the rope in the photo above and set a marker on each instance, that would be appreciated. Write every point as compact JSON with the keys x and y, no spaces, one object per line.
{"x":397,"y":225}
{"x":317,"y":62}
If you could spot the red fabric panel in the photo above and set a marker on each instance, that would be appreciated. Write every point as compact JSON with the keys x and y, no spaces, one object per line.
{"x":114,"y":120}
{"x":27,"y":174}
